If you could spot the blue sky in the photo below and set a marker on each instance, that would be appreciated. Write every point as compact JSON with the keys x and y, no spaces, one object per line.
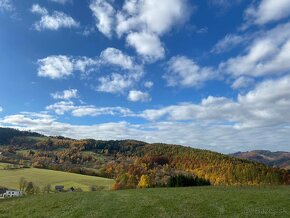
{"x":209,"y":74}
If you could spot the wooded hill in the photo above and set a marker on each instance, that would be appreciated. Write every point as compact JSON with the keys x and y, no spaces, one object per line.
{"x":134,"y":163}
{"x":274,"y":159}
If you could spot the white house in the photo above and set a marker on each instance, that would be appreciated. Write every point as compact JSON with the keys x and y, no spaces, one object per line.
{"x":10,"y":193}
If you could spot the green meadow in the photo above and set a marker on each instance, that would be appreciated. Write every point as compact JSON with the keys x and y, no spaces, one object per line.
{"x":42,"y":177}
{"x":163,"y":202}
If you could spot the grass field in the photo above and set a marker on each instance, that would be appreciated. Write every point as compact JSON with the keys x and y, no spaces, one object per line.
{"x":42,"y":177}
{"x":175,"y":202}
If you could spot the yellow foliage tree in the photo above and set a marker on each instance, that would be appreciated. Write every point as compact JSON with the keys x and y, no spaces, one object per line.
{"x":144,"y":182}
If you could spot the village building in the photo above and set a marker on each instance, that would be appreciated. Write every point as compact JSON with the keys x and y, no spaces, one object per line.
{"x":59,"y":188}
{"x":9,"y":193}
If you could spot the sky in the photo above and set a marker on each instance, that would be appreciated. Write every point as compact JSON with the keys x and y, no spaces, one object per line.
{"x":211,"y":74}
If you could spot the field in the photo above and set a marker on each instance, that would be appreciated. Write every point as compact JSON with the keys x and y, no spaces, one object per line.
{"x":173,"y":202}
{"x":42,"y":177}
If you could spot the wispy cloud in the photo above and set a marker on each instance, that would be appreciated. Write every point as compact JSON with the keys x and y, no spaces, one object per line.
{"x":267,"y":11}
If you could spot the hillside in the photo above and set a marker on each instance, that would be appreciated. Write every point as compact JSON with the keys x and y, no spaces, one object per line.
{"x":129,"y":161}
{"x":42,"y":177}
{"x":166,"y":202}
{"x":274,"y":159}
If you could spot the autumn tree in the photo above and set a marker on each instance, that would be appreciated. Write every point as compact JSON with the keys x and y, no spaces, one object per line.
{"x":144,"y":182}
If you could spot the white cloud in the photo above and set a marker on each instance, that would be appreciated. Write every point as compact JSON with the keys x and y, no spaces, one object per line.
{"x":153,"y":16}
{"x":149,"y":84}
{"x":259,"y":117}
{"x":148,"y":45}
{"x":135,"y":96}
{"x":267,"y":54}
{"x":53,"y":21}
{"x":29,"y":119}
{"x":6,"y":5}
{"x":222,"y":138}
{"x":37,"y":9}
{"x":143,"y":22}
{"x":116,"y":83}
{"x":116,"y":57}
{"x":184,"y":72}
{"x":104,"y":14}
{"x":264,"y":106}
{"x":1,"y":109}
{"x":55,"y":67}
{"x":85,"y":64}
{"x":268,"y":11}
{"x":66,"y":94}
{"x":63,"y":107}
{"x":61,"y":66}
{"x":243,"y":82}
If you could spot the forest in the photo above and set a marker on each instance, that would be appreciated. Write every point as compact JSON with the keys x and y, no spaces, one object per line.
{"x":134,"y":164}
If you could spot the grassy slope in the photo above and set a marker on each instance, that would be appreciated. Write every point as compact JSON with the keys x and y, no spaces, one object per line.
{"x":182,"y":202}
{"x":41,"y":177}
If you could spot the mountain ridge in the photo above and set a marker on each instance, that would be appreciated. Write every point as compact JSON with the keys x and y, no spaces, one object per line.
{"x":279,"y":159}
{"x":127,"y":161}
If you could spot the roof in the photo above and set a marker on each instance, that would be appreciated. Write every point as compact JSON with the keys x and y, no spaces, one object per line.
{"x":3,"y":190}
{"x":59,"y":186}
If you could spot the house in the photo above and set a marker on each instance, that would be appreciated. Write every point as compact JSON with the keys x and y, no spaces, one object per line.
{"x":10,"y":193}
{"x":59,"y":188}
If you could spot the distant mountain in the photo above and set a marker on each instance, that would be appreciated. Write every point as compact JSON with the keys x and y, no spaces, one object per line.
{"x":134,"y":163}
{"x":274,"y":159}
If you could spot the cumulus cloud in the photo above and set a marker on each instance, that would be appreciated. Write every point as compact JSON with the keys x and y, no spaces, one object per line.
{"x":184,"y":72}
{"x":117,"y":83}
{"x":55,"y":67}
{"x":54,"y":21}
{"x":261,"y":107}
{"x":104,"y":14}
{"x":63,"y":107}
{"x":117,"y":57}
{"x":142,"y":22}
{"x":66,"y":94}
{"x":135,"y":96}
{"x":148,"y":45}
{"x":61,"y":66}
{"x":266,"y":11}
{"x":267,"y":54}
{"x":154,"y":16}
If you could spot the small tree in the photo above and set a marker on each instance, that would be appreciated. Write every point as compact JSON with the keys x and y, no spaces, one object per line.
{"x":30,"y":188}
{"x":144,"y":182}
